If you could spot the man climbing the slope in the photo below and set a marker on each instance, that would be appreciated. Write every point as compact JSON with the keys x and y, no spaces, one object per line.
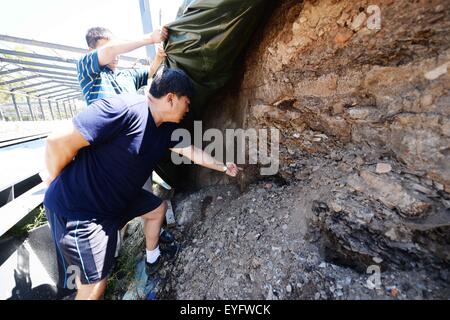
{"x":98,"y":166}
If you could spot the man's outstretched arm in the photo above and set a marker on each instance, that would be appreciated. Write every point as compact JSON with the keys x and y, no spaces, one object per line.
{"x":62,"y":146}
{"x":201,"y":158}
{"x":112,"y":49}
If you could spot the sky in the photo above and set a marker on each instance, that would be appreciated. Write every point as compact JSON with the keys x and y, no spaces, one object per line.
{"x":66,"y":21}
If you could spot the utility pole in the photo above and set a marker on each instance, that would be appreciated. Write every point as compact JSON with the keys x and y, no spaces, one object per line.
{"x":146,"y":18}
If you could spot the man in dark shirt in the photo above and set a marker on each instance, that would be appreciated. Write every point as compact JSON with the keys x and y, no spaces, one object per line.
{"x":98,"y":75}
{"x":97,"y":168}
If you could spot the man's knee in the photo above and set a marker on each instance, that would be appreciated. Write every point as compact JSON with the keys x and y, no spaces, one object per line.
{"x":157,"y":213}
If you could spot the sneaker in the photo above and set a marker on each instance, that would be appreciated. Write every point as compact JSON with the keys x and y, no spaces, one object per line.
{"x":166,"y":237}
{"x":168,"y":254}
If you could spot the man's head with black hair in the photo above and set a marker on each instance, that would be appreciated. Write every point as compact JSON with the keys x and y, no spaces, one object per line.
{"x":95,"y":35}
{"x":172,"y":90}
{"x":169,"y":80}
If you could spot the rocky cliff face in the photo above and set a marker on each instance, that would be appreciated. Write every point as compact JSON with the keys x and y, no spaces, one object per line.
{"x":363,"y":111}
{"x":364,"y":177}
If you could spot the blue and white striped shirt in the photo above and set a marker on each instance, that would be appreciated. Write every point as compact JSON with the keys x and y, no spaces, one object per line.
{"x":99,"y":82}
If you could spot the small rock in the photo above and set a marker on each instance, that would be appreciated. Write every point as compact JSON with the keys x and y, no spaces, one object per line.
{"x":288,"y":288}
{"x":335,"y":206}
{"x":358,"y":21}
{"x":359,"y":161}
{"x":422,"y":189}
{"x":317,"y":296}
{"x":437,"y":72}
{"x":219,"y":198}
{"x":439,"y":8}
{"x":338,"y":108}
{"x":391,"y":234}
{"x":296,"y":135}
{"x":323,"y":265}
{"x":394,"y":292}
{"x":383,"y":168}
{"x":344,"y":17}
{"x":343,"y":37}
{"x":426,"y":100}
{"x":268,"y":186}
{"x":446,"y":203}
{"x":377,"y":260}
{"x":302,"y":174}
{"x":321,"y":135}
{"x":438,"y":186}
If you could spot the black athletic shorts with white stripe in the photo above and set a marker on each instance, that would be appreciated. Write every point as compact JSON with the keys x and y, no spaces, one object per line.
{"x":88,"y":247}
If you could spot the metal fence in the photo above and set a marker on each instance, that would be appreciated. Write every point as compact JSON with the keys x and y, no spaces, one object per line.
{"x":39,"y":79}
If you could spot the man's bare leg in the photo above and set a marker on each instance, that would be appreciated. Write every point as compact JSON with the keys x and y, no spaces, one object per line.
{"x":93,"y":291}
{"x":153,"y":221}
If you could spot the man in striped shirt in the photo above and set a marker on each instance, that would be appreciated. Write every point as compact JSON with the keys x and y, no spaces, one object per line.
{"x":97,"y":73}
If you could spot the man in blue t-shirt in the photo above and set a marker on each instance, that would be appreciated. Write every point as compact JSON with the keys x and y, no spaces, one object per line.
{"x":97,"y":168}
{"x":97,"y":72}
{"x":99,"y":78}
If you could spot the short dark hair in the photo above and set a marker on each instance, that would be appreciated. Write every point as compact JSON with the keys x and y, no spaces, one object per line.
{"x":95,"y":34}
{"x":169,"y":80}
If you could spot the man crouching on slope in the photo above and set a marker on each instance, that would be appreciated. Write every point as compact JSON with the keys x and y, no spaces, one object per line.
{"x":97,"y":169}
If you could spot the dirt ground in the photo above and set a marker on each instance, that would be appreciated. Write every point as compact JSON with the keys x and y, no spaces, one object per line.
{"x":267,"y":242}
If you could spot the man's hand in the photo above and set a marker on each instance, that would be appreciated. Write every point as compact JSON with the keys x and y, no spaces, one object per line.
{"x":232,"y":169}
{"x":160,"y":53}
{"x":202,"y":158}
{"x":159,"y":35}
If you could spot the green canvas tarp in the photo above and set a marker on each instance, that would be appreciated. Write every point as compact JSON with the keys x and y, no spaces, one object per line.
{"x":207,"y":38}
{"x":205,"y":41}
